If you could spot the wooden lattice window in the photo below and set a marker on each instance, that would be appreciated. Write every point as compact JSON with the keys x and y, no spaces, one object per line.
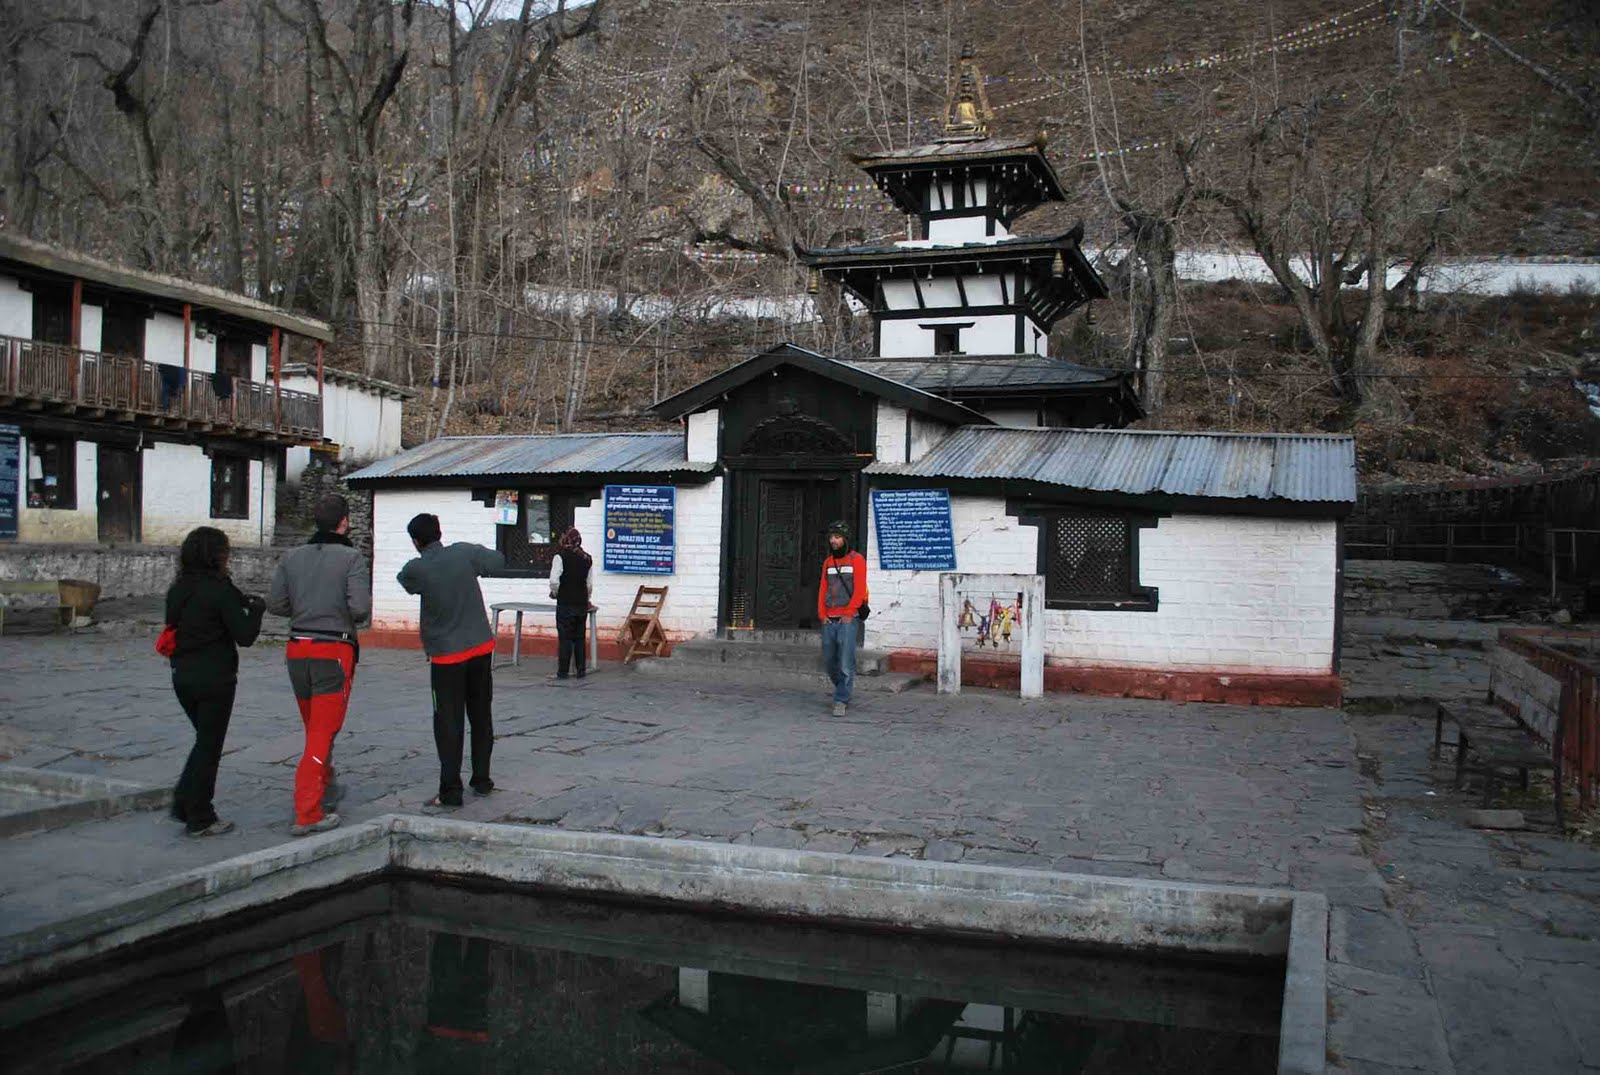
{"x":1090,"y":560}
{"x":542,"y":517}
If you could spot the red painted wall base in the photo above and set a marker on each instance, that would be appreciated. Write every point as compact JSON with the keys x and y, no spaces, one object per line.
{"x":533,"y":645}
{"x":1234,"y":688}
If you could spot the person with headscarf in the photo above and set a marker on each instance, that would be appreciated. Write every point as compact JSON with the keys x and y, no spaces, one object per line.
{"x":571,"y":585}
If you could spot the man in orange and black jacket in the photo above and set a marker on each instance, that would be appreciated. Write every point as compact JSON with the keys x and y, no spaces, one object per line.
{"x":839,"y":599}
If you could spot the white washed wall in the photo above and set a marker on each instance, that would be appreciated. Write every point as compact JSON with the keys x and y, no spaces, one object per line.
{"x":90,"y":320}
{"x":16,"y":309}
{"x":958,"y":230}
{"x":1014,"y":417}
{"x":61,"y":524}
{"x":1237,"y":594}
{"x":203,"y":354}
{"x":983,"y":289}
{"x":925,"y":433}
{"x":365,"y":424}
{"x":989,"y":334}
{"x":176,"y":483}
{"x":163,"y":339}
{"x":892,"y":433}
{"x":700,"y":444}
{"x":691,"y":605}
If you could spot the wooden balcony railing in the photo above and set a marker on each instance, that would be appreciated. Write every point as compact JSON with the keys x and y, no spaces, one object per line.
{"x":48,"y":373}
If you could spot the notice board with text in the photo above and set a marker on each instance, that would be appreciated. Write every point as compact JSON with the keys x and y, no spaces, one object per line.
{"x":641,"y":529}
{"x":913,"y":529}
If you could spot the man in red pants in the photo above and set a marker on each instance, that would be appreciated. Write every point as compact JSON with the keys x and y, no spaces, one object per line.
{"x":325,"y":589}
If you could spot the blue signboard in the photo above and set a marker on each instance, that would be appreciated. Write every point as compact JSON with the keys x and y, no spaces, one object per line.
{"x":10,"y":480}
{"x":913,"y":530}
{"x":641,"y":529}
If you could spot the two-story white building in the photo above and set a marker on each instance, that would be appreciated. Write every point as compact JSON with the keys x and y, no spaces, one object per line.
{"x":136,"y":406}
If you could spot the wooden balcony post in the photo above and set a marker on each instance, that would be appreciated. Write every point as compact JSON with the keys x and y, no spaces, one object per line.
{"x":188,"y":334}
{"x":277,"y":380}
{"x":76,"y":339}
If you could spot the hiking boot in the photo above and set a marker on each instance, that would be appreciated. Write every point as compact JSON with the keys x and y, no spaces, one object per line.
{"x":839,"y":709}
{"x":484,"y":788}
{"x":322,"y":824}
{"x":216,"y":828}
{"x":438,"y":805}
{"x":332,"y":794}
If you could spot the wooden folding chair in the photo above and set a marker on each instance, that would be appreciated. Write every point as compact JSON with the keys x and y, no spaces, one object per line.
{"x":642,"y":633}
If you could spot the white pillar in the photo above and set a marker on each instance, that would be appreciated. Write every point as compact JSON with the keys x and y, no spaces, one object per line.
{"x":1032,"y":636}
{"x":949,"y":637}
{"x":694,"y":989}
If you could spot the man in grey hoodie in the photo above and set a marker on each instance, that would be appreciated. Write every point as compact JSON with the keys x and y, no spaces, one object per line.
{"x":460,"y":646}
{"x":324,"y":588}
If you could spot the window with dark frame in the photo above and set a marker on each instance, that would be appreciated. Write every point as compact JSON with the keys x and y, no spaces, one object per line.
{"x":230,"y":487}
{"x":542,"y":517}
{"x":1090,"y":560}
{"x":947,"y":340}
{"x":52,"y":473}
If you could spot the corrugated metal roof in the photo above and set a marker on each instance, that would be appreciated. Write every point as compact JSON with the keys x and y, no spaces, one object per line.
{"x":952,"y":148}
{"x":1228,"y":466}
{"x":972,"y":372}
{"x":556,"y":453}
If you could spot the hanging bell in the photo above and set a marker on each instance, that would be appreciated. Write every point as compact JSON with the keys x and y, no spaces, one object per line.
{"x":1058,"y":267}
{"x":814,"y":282}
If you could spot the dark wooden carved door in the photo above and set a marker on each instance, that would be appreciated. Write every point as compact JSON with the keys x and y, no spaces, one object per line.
{"x":788,"y":539}
{"x":780,"y":519}
{"x":118,"y":493}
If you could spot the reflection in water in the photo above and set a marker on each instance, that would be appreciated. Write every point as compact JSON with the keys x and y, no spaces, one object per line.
{"x":459,"y":983}
{"x":203,"y":1044}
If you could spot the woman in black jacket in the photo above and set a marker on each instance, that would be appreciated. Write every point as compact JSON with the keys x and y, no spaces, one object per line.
{"x":212,"y":619}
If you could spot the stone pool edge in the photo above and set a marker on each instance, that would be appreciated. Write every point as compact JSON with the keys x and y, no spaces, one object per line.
{"x":901,"y":893}
{"x":75,"y":797}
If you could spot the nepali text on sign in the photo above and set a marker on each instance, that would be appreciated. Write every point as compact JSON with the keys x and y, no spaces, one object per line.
{"x":641,"y":529}
{"x":10,"y":479}
{"x":913,"y":529}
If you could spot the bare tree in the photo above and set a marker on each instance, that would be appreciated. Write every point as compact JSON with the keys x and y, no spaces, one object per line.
{"x":1325,"y":220}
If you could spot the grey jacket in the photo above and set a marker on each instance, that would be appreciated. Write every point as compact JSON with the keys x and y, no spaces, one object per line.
{"x":453,"y":616}
{"x":322,"y":587}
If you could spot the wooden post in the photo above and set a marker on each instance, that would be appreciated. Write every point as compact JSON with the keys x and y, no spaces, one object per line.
{"x":188,"y":334}
{"x":319,"y":367}
{"x":277,"y":380}
{"x":76,"y":339}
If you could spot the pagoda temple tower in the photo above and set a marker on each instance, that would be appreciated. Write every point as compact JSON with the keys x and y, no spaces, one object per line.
{"x":964,"y":307}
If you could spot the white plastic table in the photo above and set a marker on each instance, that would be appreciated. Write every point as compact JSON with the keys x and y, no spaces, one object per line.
{"x":520,"y":607}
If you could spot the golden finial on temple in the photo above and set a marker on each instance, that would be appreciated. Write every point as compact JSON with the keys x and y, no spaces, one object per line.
{"x":967,"y":111}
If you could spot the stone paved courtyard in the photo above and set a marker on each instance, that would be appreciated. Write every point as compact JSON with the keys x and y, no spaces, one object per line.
{"x":1453,"y":950}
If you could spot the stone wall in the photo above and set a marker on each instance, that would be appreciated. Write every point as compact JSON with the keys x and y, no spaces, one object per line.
{"x":125,"y":570}
{"x":1414,"y":590}
{"x":321,"y":477}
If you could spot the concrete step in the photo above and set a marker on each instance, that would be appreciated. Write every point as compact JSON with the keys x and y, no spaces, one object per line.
{"x":777,"y":678}
{"x":778,"y":656}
